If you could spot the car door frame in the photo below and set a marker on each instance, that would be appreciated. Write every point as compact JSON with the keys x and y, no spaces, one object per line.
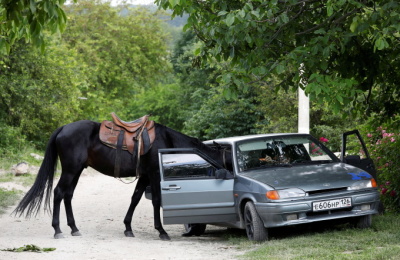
{"x":220,"y":210}
{"x":366,"y":163}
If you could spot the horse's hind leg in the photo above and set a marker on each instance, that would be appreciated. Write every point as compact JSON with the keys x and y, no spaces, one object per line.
{"x":64,"y":190}
{"x":58,"y":196}
{"x":68,"y":207}
{"x":137,"y":195}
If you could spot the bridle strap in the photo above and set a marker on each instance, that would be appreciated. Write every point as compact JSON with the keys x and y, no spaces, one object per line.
{"x":224,"y":157}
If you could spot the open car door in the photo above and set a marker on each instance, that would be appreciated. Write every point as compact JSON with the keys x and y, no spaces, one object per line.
{"x":354,"y":152}
{"x":194,"y":188}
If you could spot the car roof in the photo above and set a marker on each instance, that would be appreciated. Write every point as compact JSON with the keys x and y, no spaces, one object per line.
{"x":235,"y":139}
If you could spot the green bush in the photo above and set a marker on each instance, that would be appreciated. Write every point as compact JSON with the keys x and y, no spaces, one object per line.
{"x":7,"y":198}
{"x":384,"y":147}
{"x":15,"y":147}
{"x":11,"y":139}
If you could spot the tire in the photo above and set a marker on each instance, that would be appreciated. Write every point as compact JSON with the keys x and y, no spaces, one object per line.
{"x":195,"y":229}
{"x":363,"y":222}
{"x":255,"y":229}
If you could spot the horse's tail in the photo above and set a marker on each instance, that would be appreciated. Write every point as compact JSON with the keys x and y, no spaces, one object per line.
{"x":43,"y":183}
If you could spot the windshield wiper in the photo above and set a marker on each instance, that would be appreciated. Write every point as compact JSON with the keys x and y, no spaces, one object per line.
{"x":311,"y":162}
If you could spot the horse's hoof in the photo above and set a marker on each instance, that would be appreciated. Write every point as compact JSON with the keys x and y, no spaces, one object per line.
{"x":58,"y":236}
{"x":76,"y":234}
{"x":165,"y":237}
{"x":129,"y":234}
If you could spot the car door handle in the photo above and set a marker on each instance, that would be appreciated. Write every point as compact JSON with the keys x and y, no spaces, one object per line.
{"x":171,"y":187}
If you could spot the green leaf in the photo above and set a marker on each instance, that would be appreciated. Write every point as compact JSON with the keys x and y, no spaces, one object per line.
{"x":230,"y":19}
{"x":280,"y":68}
{"x":354,"y":24}
{"x":226,"y":78}
{"x":324,"y":65}
{"x":186,"y":27}
{"x":317,"y":90}
{"x":381,"y":43}
{"x":284,"y":18}
{"x":249,"y":40}
{"x":227,"y":93}
{"x":320,"y":31}
{"x":174,"y":3}
{"x":262,"y":70}
{"x":32,"y":6}
{"x":242,"y":13}
{"x":4,"y":47}
{"x":339,"y":98}
{"x":232,"y":52}
{"x":329,"y":10}
{"x":197,"y":51}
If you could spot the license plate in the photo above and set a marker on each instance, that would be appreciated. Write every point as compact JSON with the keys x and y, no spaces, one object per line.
{"x":331,"y":204}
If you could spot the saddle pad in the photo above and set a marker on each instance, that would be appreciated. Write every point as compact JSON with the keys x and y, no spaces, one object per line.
{"x":109,"y":133}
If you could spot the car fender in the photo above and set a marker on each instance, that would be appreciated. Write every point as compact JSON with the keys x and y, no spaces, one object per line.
{"x":242,"y":202}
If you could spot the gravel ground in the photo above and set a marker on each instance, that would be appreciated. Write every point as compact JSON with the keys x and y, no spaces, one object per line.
{"x":100,"y":204}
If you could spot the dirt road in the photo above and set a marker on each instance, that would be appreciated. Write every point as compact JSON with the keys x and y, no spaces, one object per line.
{"x":100,"y":204}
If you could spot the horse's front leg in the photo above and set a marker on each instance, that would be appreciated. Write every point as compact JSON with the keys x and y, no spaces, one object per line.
{"x":156,"y":200}
{"x":137,"y":195}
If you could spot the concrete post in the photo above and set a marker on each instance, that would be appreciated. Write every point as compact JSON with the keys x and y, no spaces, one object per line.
{"x":303,"y":113}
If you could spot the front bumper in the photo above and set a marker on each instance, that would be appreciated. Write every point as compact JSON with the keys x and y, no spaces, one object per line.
{"x":285,"y":213}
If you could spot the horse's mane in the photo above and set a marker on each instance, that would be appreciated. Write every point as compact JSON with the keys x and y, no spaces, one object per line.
{"x":181,"y":140}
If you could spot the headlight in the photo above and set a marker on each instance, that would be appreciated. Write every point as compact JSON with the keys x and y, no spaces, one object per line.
{"x":285,"y":194}
{"x":363,"y":184}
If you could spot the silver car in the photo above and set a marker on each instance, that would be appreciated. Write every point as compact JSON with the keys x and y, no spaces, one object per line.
{"x":277,"y":180}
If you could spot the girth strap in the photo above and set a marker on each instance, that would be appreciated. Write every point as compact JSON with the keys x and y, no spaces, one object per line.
{"x":118,"y":151}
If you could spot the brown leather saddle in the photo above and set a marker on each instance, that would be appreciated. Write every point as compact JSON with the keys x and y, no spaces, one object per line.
{"x":136,"y":137}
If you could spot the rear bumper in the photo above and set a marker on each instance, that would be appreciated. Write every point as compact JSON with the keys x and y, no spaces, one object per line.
{"x":287,"y":213}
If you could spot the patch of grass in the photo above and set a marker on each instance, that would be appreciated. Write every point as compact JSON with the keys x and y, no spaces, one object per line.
{"x":326,"y":241}
{"x":25,"y":180}
{"x":13,"y":157}
{"x":8,"y":177}
{"x":8,"y":198}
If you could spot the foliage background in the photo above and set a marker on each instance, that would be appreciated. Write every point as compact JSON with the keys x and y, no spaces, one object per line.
{"x":384,"y":146}
{"x":232,"y":71}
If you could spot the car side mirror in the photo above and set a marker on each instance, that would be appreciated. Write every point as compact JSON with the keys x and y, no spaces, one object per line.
{"x":223,"y":174}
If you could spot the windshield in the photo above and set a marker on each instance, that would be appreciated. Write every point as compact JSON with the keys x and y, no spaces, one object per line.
{"x":282,"y":151}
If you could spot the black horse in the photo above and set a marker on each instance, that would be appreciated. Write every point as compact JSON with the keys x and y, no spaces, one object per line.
{"x":78,"y":146}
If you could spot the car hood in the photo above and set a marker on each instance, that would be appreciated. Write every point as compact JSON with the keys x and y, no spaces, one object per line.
{"x":309,"y":177}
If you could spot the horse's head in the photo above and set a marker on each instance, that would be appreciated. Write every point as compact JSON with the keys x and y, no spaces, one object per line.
{"x":226,"y":155}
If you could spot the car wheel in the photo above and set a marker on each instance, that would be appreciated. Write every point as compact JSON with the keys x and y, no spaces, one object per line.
{"x":363,"y":222}
{"x":195,"y":229}
{"x":255,"y":229}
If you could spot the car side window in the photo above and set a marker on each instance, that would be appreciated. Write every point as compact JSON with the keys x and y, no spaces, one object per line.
{"x":186,"y":166}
